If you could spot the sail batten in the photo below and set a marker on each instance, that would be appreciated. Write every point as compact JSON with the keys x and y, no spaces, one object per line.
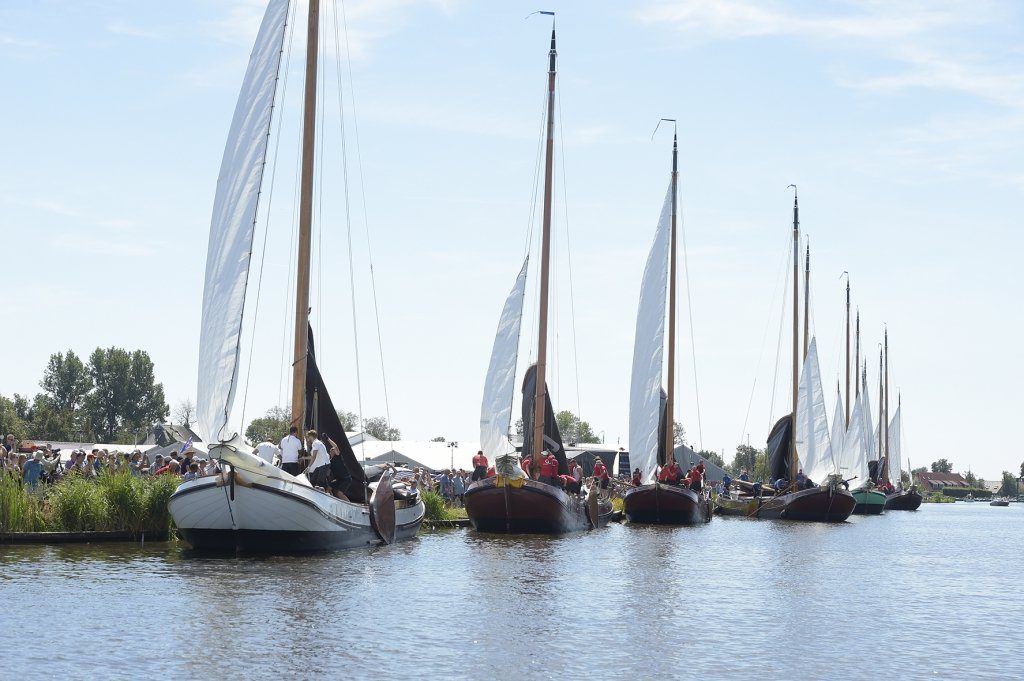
{"x":645,"y":392}
{"x":500,"y":385}
{"x":232,"y":227}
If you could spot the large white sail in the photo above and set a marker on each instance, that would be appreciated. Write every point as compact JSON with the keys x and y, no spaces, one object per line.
{"x":854,"y":458}
{"x":894,"y":448}
{"x":870,"y":434}
{"x":232,"y":226}
{"x":500,"y":384}
{"x":648,"y":350}
{"x":838,"y":428}
{"x":812,"y":435}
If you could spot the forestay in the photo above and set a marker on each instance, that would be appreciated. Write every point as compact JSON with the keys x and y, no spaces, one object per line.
{"x":500,"y":385}
{"x":232,"y":227}
{"x":812,"y":435}
{"x":648,"y":350}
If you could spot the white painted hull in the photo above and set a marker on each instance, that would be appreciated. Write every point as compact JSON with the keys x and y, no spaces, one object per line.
{"x":276,"y":515}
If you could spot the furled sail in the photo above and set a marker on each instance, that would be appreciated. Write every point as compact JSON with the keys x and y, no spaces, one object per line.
{"x":500,"y":385}
{"x":323,"y":418}
{"x":812,"y":435}
{"x":648,"y":349}
{"x":779,"y":447}
{"x":854,"y":457}
{"x":552,"y":438}
{"x":870,"y":435}
{"x":838,"y":427}
{"x":894,"y":447}
{"x":232,"y":226}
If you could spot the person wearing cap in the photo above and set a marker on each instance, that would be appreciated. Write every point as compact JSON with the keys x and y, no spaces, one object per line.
{"x":291,"y":445}
{"x":601,"y":474}
{"x":317,"y":470}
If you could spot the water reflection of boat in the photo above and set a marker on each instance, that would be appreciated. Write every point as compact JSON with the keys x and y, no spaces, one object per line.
{"x":251,"y":505}
{"x":651,"y":408}
{"x":510,"y":501}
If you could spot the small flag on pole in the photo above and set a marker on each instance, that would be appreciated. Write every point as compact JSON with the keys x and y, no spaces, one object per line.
{"x":185,"y":446}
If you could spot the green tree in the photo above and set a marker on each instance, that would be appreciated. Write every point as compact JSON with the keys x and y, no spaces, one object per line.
{"x":125,"y":398}
{"x":971,"y":480}
{"x":66,"y":382}
{"x":678,"y":434}
{"x":47,"y":422}
{"x":1009,"y":486}
{"x":349,"y":420}
{"x":905,"y":479}
{"x":439,"y":438}
{"x":271,"y":427}
{"x":10,"y":422}
{"x":713,"y":457}
{"x":379,"y":428}
{"x":185,"y":413}
{"x":573,"y":429}
{"x":942,"y":466}
{"x":1022,"y":469}
{"x":746,"y":457}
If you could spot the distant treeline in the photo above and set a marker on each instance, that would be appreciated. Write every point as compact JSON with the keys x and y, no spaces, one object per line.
{"x":111,"y":398}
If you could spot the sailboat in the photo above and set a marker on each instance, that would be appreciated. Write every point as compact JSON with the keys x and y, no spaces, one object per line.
{"x":650,"y":406}
{"x":800,"y":440}
{"x":512,"y":501}
{"x":251,"y":505}
{"x":899,"y":499}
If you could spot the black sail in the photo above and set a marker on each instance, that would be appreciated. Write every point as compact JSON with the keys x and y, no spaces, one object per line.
{"x":322,"y":417}
{"x":663,"y":424}
{"x":552,"y":438}
{"x":780,"y":447}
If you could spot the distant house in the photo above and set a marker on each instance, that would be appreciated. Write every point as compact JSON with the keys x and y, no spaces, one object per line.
{"x":938,"y":481}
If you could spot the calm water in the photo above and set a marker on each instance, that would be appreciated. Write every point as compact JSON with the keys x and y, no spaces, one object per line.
{"x":932,"y":594}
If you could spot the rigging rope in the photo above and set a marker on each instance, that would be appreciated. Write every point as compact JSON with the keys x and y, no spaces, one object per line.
{"x":366,"y":220}
{"x":764,"y":339}
{"x":778,"y":349}
{"x":689,"y":312}
{"x":348,"y":222}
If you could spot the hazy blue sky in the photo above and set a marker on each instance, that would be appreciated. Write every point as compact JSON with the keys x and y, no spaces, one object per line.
{"x":900,"y":121}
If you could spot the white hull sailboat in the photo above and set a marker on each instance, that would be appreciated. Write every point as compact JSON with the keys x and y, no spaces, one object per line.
{"x":251,"y":505}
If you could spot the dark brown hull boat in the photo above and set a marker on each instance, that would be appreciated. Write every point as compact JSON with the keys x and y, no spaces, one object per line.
{"x":907,"y":500}
{"x":819,"y":504}
{"x":666,"y":505}
{"x":516,"y":506}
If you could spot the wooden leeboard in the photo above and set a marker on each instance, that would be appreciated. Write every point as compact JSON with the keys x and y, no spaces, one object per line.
{"x":382,"y":509}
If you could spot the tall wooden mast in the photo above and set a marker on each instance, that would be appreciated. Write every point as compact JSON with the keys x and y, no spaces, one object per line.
{"x":856,"y":379}
{"x":847,"y":351}
{"x":807,"y":299}
{"x":545,"y":257}
{"x":881,"y":401}
{"x":305,"y":220}
{"x":671,"y":383}
{"x":796,"y":331}
{"x":884,"y":425}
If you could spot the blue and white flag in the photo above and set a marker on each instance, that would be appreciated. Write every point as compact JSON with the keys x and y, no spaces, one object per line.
{"x":185,"y":446}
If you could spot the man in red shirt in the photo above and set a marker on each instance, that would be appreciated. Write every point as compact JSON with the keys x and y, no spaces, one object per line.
{"x":526,"y":464}
{"x":548,"y":468}
{"x":479,"y":466}
{"x":601,"y":474}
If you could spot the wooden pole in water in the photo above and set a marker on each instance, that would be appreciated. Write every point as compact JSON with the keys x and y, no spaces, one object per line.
{"x":545,"y":257}
{"x":671,"y":384}
{"x":305,"y":220}
{"x":796,"y":330}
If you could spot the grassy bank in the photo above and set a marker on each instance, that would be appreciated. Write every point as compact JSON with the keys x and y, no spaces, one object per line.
{"x":111,"y":501}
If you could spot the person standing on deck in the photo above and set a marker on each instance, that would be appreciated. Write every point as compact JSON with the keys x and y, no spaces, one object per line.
{"x":291,"y":445}
{"x":548,"y":468}
{"x":479,"y":466}
{"x":601,"y":476}
{"x":341,"y":478}
{"x":317,"y":471}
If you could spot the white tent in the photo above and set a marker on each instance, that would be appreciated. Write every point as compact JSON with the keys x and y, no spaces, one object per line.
{"x":434,"y":456}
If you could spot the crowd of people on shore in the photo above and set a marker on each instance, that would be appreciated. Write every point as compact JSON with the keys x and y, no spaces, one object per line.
{"x":46,"y":465}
